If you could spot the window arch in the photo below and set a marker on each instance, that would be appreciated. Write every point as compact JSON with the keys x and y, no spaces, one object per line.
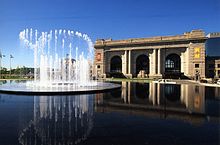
{"x":142,"y":63}
{"x":116,"y":64}
{"x":173,"y":63}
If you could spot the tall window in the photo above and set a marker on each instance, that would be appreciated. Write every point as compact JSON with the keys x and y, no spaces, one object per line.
{"x":142,"y":63}
{"x":173,"y":63}
{"x":116,"y":64}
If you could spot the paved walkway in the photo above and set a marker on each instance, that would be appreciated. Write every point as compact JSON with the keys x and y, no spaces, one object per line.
{"x":195,"y":82}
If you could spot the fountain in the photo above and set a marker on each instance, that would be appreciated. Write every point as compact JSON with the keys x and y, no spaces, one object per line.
{"x":60,"y":57}
{"x":63,"y":62}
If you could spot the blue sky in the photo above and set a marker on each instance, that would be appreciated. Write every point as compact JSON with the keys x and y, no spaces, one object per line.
{"x":116,"y":19}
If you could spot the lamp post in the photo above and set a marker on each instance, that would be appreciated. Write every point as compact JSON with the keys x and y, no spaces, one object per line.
{"x":1,"y":56}
{"x":10,"y":63}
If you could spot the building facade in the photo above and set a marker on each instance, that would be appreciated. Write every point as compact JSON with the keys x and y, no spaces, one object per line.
{"x":153,"y":57}
{"x":213,"y":55}
{"x":213,"y":67}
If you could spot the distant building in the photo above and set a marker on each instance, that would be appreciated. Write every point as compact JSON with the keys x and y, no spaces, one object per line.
{"x":213,"y":55}
{"x":213,"y":44}
{"x":155,"y":57}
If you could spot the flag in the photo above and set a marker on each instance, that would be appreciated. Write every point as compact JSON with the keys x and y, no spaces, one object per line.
{"x":11,"y":56}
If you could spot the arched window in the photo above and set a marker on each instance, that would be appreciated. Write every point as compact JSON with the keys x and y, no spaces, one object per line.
{"x":173,"y":63}
{"x":142,"y":63}
{"x":116,"y":64}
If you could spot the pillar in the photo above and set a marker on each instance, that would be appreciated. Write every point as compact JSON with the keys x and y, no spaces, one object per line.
{"x":124,"y":63}
{"x":182,"y":62}
{"x":186,"y":72}
{"x":159,"y":62}
{"x":216,"y":71}
{"x":129,"y":62}
{"x":164,"y":60}
{"x":126,"y":58}
{"x":155,"y":61}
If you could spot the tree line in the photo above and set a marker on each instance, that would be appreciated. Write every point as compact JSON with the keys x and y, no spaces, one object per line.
{"x":19,"y":72}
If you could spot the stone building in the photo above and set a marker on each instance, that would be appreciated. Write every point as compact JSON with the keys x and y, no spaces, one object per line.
{"x":154,"y":57}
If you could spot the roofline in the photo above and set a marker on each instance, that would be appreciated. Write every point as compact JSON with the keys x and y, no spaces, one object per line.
{"x":194,"y":35}
{"x":130,"y":42}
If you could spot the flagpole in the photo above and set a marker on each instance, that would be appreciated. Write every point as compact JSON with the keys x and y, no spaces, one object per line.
{"x":10,"y":64}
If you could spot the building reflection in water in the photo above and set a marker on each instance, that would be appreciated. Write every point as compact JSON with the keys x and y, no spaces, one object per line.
{"x":59,"y":120}
{"x":183,"y":98}
{"x":190,"y":97}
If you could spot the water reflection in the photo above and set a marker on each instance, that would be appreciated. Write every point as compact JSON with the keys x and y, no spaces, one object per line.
{"x":143,"y":111}
{"x":182,"y":98}
{"x":52,"y":120}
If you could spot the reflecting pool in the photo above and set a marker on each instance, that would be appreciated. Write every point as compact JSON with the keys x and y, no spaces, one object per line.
{"x":138,"y":113}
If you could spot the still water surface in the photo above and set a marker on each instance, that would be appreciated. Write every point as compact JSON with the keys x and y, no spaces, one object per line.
{"x":138,"y":113}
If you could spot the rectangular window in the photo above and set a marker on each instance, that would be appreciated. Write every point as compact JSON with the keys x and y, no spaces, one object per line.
{"x":218,"y":65}
{"x":196,"y":65}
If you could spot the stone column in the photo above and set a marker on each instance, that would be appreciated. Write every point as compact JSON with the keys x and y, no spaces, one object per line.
{"x":159,"y":63}
{"x":164,"y":60}
{"x":150,"y":64}
{"x":186,"y":72}
{"x":152,"y":57}
{"x":124,"y":63}
{"x":216,"y":73}
{"x":182,"y":60}
{"x":155,"y":61}
{"x":129,"y":62}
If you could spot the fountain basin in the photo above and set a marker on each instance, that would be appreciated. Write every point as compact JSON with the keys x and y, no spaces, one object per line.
{"x":24,"y":88}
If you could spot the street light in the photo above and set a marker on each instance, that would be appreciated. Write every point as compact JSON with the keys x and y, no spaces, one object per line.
{"x":1,"y":56}
{"x":10,"y":63}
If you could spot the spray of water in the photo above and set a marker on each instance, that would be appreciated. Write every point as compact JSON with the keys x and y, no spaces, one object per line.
{"x":61,"y":57}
